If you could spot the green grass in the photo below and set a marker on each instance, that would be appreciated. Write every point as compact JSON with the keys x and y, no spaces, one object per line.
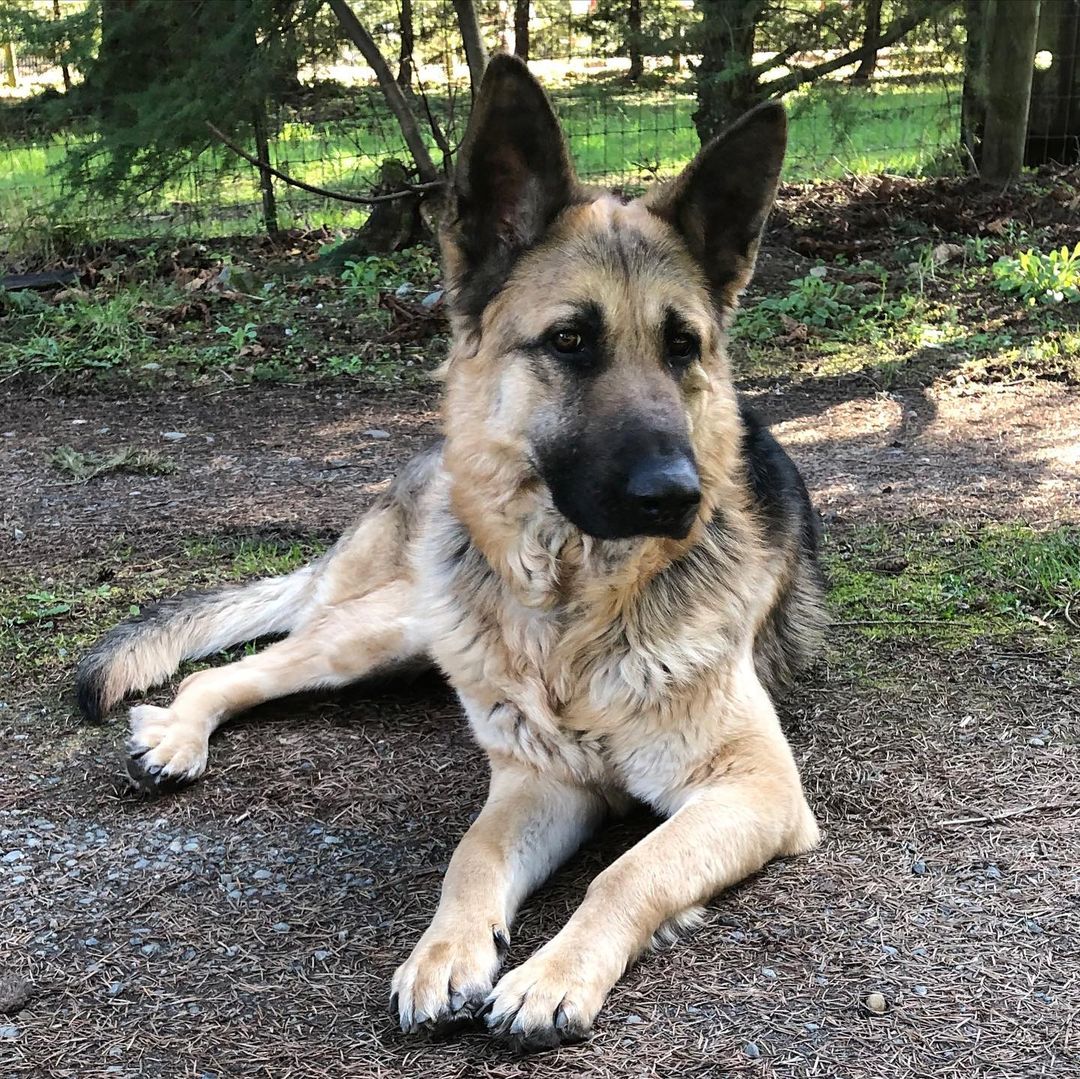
{"x":145,"y":330}
{"x":955,"y":584}
{"x":911,"y":322}
{"x":242,"y":558}
{"x":617,"y":136}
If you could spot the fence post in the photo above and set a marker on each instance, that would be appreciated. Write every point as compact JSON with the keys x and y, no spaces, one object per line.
{"x":1010,"y":67}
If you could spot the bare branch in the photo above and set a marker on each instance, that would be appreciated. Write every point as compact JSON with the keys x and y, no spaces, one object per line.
{"x":341,"y":196}
{"x":901,"y":26}
{"x":471,"y":38}
{"x":395,"y":98}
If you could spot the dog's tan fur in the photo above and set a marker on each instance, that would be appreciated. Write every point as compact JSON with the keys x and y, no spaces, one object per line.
{"x":591,"y":672}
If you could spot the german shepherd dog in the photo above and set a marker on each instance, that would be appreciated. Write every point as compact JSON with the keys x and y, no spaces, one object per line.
{"x":612,"y":562}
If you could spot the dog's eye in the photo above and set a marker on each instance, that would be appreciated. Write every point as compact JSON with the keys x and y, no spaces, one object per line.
{"x":682,"y":347}
{"x":567,"y":342}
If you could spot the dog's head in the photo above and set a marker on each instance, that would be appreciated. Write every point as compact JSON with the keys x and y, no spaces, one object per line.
{"x":589,"y":331}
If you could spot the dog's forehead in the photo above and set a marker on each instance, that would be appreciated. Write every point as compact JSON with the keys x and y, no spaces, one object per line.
{"x":625,"y":234}
{"x":606,"y":248}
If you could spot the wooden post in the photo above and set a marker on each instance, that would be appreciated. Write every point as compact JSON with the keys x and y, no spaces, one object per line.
{"x":1010,"y":66}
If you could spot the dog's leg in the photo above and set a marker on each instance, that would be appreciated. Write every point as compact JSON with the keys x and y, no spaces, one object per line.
{"x":529,"y":825}
{"x":750,"y":810}
{"x":168,"y":746}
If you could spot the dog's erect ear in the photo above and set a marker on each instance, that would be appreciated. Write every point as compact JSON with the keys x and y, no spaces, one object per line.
{"x":720,"y":201}
{"x":513,"y":176}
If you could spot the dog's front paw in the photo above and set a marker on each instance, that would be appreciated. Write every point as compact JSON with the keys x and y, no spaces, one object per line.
{"x":164,"y":751}
{"x":550,"y":1000}
{"x":446,"y":980}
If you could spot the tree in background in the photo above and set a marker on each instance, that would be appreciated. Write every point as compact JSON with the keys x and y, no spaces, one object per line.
{"x":408,"y":44}
{"x":161,"y":72}
{"x":522,"y":11}
{"x":730,"y":32}
{"x":64,"y":33}
{"x":631,"y":28}
{"x":634,"y":41}
{"x":871,"y":33}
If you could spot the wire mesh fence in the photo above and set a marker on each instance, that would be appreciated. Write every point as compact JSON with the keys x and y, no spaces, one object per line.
{"x":625,"y":127}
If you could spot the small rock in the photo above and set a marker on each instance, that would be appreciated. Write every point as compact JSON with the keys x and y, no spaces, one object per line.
{"x":150,"y":949}
{"x":751,"y":1050}
{"x":173,"y":436}
{"x":919,"y":990}
{"x":321,"y":954}
{"x":918,"y":868}
{"x":633,"y":1020}
{"x":993,"y":872}
{"x":261,"y":874}
{"x":151,"y":366}
{"x":875,"y":1003}
{"x":9,"y":1032}
{"x":768,"y":972}
{"x":281,"y":927}
{"x":375,"y":432}
{"x":15,"y":993}
{"x":1037,"y":742}
{"x":13,"y":856}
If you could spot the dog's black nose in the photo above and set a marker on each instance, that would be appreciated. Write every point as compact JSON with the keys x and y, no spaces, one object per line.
{"x":665,"y":491}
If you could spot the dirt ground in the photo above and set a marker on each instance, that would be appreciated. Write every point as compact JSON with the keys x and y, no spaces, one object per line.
{"x":249,"y":926}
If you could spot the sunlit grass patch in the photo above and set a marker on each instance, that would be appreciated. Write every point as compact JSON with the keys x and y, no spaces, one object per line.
{"x":955,"y":583}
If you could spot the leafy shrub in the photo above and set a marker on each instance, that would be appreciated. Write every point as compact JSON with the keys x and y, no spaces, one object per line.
{"x":1039,"y":278}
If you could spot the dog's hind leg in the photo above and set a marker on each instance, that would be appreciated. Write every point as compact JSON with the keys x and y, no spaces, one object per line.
{"x":168,"y":746}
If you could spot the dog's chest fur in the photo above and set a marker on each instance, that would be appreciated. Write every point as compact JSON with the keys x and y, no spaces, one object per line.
{"x":571,"y":678}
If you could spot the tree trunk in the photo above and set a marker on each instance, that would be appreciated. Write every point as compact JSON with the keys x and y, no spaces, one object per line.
{"x":286,"y":54}
{"x":1010,"y":65}
{"x":266,"y":180}
{"x":726,"y":82}
{"x":475,"y":53}
{"x":61,"y":51}
{"x":973,"y":100}
{"x":396,"y":100}
{"x":408,"y":43}
{"x":871,"y":33}
{"x":521,"y":28}
{"x":11,"y":72}
{"x":633,"y":42}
